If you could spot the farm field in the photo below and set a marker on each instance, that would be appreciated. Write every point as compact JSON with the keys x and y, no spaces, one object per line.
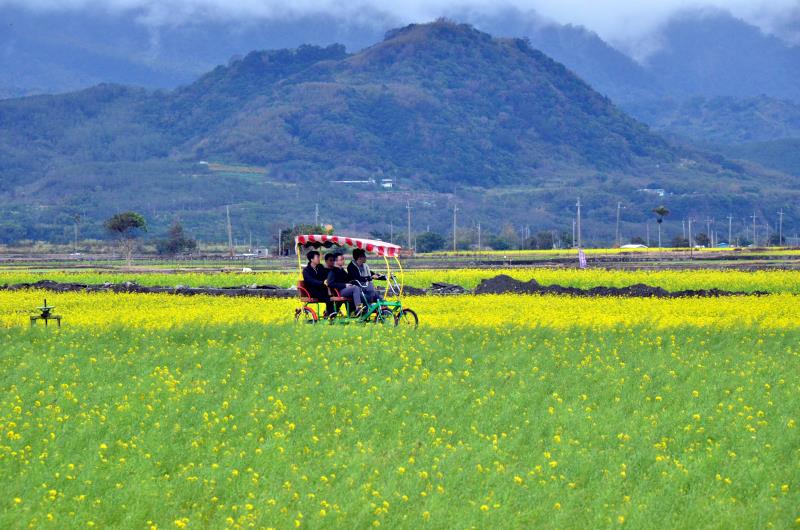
{"x":773,"y":281}
{"x":621,"y":251}
{"x":500,"y":411}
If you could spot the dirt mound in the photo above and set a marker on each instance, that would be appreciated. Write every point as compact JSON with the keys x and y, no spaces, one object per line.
{"x":445,"y":288}
{"x":506,"y":284}
{"x":264,"y":291}
{"x":498,"y":285}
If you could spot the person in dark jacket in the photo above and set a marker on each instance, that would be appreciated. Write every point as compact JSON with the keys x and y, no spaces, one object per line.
{"x":339,"y":279}
{"x":314,"y":276}
{"x":358,"y":270}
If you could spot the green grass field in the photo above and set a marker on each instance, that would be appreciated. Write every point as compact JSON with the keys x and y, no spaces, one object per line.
{"x":475,"y":426}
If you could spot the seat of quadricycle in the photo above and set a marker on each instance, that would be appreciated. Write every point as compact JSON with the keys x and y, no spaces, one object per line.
{"x":336,"y":297}
{"x":305,"y":296}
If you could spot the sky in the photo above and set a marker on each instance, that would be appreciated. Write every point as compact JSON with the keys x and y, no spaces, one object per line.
{"x":624,"y":22}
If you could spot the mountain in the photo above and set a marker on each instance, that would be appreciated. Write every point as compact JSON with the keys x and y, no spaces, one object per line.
{"x":715,"y":54}
{"x":46,"y":51}
{"x":781,"y":155}
{"x":701,"y":52}
{"x":605,"y":68}
{"x":760,"y":129}
{"x":502,"y":109}
{"x":722,"y":120}
{"x":448,"y":113}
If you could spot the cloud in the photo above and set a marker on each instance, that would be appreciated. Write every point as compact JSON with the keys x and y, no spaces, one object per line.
{"x":630,"y":23}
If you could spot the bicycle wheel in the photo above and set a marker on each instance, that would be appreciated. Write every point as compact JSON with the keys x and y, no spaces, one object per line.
{"x":385,"y":317}
{"x":306,"y":315}
{"x":406,"y":318}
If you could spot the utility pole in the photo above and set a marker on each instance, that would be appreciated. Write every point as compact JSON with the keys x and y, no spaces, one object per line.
{"x":683,"y":227}
{"x":77,"y":219}
{"x":746,"y":230}
{"x":661,"y":220}
{"x":780,"y":228}
{"x":408,"y":207}
{"x":691,"y":243}
{"x":647,"y":227}
{"x":230,"y":230}
{"x":250,"y":240}
{"x":730,"y":230}
{"x":316,"y":214}
{"x":755,"y":241}
{"x":479,"y":237}
{"x":708,"y":230}
{"x":455,"y":209}
{"x":579,"y":222}
{"x":573,"y":232}
{"x":391,"y":232}
{"x":714,"y":234}
{"x":619,"y":206}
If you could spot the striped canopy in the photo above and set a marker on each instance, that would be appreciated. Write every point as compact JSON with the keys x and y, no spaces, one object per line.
{"x":381,"y":248}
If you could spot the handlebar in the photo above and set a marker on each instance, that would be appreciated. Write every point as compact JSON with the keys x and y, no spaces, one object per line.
{"x":394,"y":287}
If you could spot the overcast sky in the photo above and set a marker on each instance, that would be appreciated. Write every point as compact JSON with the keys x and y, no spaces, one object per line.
{"x":618,"y":21}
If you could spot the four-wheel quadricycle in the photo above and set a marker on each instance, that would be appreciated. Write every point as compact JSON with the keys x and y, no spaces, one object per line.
{"x":383,"y":309}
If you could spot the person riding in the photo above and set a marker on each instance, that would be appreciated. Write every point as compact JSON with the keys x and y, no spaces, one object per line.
{"x":358,"y":270}
{"x":314,"y":276}
{"x":328,"y":260}
{"x":330,"y":257}
{"x":340,"y":280}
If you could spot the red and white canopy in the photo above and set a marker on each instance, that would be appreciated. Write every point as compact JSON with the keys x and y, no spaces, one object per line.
{"x":381,"y":248}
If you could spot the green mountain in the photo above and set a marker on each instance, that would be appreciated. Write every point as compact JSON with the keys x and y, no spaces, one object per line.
{"x":446,"y":112}
{"x":440,"y":104}
{"x":761,"y":129}
{"x":781,"y":155}
{"x":722,"y":120}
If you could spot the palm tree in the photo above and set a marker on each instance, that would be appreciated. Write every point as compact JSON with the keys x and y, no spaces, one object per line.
{"x":661,"y":212}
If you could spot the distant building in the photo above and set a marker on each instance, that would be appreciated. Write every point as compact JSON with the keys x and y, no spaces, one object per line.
{"x":383,"y":183}
{"x":370,"y":181}
{"x":653,"y":191}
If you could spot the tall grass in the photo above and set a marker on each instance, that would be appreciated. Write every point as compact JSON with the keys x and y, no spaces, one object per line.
{"x":322,"y":426}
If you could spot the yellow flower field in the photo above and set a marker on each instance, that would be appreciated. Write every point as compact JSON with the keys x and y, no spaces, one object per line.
{"x":164,"y":411}
{"x":163,"y":311}
{"x":774,"y":280}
